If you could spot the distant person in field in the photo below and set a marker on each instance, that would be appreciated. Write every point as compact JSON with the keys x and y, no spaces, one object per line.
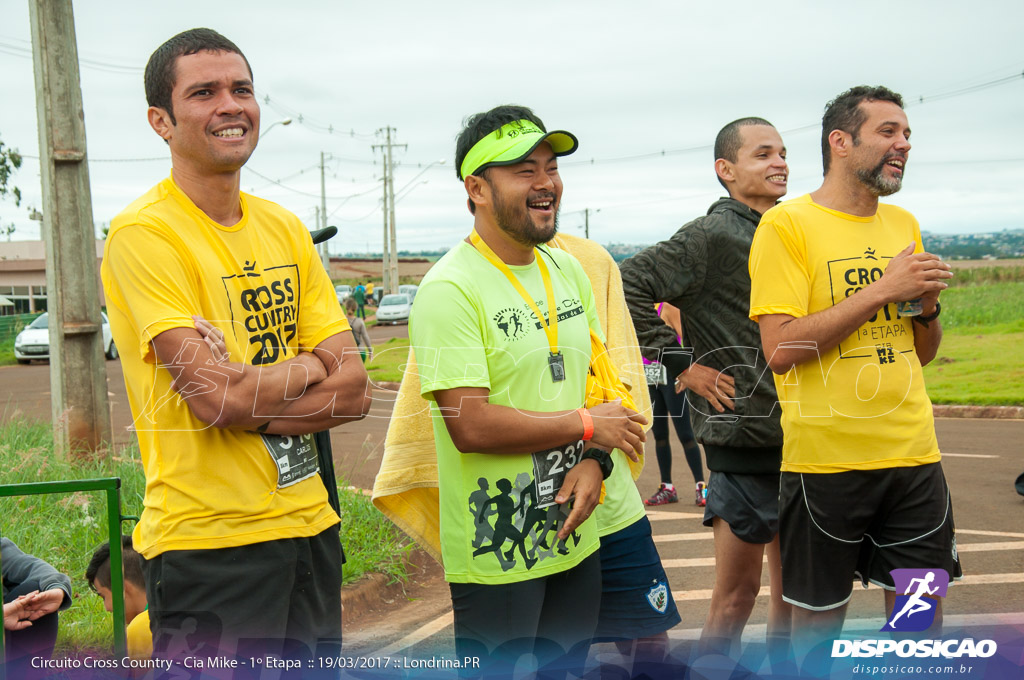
{"x":136,"y":608}
{"x":359,"y":330}
{"x":359,"y":296}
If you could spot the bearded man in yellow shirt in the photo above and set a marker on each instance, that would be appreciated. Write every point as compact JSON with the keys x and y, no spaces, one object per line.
{"x":862,"y":490}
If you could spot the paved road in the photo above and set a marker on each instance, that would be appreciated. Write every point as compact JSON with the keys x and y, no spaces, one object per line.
{"x":981,"y":460}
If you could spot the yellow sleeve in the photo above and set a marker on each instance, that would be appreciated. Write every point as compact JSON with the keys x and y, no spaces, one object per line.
{"x":140,"y":638}
{"x":780,"y":281}
{"x":154,"y":284}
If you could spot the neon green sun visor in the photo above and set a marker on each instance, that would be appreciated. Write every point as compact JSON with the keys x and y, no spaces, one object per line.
{"x":512,"y":143}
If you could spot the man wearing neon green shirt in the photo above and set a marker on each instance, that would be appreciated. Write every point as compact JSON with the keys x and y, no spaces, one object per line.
{"x":502,"y":332}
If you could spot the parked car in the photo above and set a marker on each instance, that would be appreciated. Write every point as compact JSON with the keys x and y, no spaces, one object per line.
{"x":34,"y":341}
{"x":409,"y":289}
{"x":343,"y":291}
{"x":394,"y":308}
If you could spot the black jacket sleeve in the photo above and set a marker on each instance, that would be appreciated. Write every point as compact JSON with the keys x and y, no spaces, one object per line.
{"x":672,"y":271}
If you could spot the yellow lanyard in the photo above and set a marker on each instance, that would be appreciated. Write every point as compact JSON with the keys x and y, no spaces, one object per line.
{"x":550,"y":327}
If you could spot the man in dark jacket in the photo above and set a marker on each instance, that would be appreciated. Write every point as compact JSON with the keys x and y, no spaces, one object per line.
{"x":702,"y":270}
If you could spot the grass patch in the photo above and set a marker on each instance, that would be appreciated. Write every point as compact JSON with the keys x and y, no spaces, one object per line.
{"x":66,"y":529}
{"x":977,"y":276}
{"x":978,"y":368}
{"x":389,"y":359}
{"x":7,"y":352}
{"x":995,"y":304}
{"x":372,"y":543}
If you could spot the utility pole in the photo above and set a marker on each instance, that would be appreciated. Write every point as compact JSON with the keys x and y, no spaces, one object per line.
{"x":586,"y":223}
{"x":390,"y":240}
{"x":78,"y":379}
{"x":385,"y":260}
{"x":325,"y":259}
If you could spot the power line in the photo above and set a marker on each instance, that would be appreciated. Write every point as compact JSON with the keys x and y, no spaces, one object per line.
{"x":305,"y":193}
{"x":920,"y":99}
{"x":314,"y":124}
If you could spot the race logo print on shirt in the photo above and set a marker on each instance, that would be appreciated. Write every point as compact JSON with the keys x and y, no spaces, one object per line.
{"x":512,"y":323}
{"x":875,"y":339}
{"x":265,"y":303}
{"x":512,"y":525}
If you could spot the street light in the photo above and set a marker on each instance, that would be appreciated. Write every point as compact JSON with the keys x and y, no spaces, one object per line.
{"x":264,"y":133}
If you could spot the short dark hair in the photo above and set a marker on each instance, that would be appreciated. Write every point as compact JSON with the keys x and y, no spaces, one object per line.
{"x":98,"y":571}
{"x":844,"y":113}
{"x":160,"y":70}
{"x":729,"y":140}
{"x":479,"y":125}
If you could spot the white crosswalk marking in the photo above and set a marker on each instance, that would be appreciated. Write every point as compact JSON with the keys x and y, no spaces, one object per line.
{"x":961,"y":547}
{"x":969,"y":580}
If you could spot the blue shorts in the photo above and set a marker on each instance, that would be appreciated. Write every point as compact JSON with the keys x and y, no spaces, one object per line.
{"x":636,"y":600}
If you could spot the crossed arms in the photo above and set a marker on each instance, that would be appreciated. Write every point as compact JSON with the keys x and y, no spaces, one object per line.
{"x":313,"y":391}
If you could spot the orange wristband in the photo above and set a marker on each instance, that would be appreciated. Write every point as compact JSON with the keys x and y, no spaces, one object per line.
{"x":588,"y":423}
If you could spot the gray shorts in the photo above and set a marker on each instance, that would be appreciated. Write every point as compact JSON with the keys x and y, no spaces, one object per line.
{"x":748,"y":503}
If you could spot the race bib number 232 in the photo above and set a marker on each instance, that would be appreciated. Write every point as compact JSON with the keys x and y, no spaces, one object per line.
{"x":549,"y":469}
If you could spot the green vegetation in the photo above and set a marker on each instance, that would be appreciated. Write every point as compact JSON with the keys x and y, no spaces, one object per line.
{"x":978,"y":368}
{"x":388,"y":362}
{"x":7,"y":352}
{"x":976,"y":306}
{"x":976,"y":276}
{"x":372,"y":543}
{"x":980,"y":361}
{"x":65,"y":529}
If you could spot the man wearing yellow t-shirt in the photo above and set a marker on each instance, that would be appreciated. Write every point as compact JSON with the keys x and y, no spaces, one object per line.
{"x":234,"y":351}
{"x":862,"y":490}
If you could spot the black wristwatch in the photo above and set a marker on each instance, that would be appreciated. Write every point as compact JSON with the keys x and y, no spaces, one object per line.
{"x":924,"y":320}
{"x":603,"y":458}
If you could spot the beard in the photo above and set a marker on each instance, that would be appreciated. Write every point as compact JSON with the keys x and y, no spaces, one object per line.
{"x":515,"y":220}
{"x":876,"y":181}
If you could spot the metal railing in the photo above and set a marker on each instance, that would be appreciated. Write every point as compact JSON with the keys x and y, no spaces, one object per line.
{"x":112,"y":487}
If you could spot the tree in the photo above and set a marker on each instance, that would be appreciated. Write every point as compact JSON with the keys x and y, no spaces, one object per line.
{"x":10,"y":160}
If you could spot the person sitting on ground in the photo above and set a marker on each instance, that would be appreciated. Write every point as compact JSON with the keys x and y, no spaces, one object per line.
{"x":358,"y":329}
{"x":33,"y":593}
{"x":136,"y":606}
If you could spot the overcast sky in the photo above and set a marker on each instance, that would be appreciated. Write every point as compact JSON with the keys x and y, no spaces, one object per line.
{"x":629,"y":79}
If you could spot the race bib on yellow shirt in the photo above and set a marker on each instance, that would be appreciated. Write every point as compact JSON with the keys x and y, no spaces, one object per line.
{"x":294,"y":455}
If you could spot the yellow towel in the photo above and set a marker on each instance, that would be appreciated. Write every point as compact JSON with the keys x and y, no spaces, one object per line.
{"x":405,"y":489}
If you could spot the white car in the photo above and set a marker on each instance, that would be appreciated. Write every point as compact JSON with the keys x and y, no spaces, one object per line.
{"x":342,"y":291}
{"x":34,"y":341}
{"x":394,"y":308}
{"x":409,"y":289}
